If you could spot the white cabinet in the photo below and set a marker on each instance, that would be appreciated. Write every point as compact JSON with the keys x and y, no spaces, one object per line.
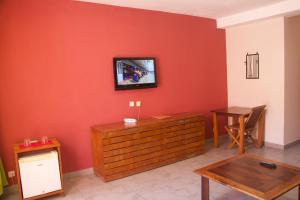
{"x":40,"y":173}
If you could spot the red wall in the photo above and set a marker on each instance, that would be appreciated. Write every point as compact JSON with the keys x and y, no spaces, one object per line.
{"x":57,"y":78}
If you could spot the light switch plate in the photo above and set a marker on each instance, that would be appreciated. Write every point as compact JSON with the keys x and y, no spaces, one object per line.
{"x":138,"y":103}
{"x":131,"y":103}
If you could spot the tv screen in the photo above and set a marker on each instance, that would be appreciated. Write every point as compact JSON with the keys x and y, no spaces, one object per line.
{"x":134,"y":73}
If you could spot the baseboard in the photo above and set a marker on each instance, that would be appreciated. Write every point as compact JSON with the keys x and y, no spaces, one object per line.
{"x":222,"y":138}
{"x":280,"y":146}
{"x":14,"y":188}
{"x":11,"y":189}
{"x":274,"y":145}
{"x":86,"y":171}
{"x":292,"y":144}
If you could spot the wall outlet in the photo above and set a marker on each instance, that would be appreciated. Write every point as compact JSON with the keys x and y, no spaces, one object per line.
{"x":11,"y":174}
{"x":138,"y":103}
{"x":131,"y":103}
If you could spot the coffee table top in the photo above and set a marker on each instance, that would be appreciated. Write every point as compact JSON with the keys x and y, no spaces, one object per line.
{"x":245,"y":174}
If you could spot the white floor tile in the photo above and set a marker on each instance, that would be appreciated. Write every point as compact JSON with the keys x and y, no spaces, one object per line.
{"x":173,"y":182}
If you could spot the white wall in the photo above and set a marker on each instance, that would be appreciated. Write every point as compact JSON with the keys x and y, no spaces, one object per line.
{"x":292,"y":80}
{"x":267,"y":38}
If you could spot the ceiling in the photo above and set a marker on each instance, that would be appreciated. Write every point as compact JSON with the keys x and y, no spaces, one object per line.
{"x":226,"y":12}
{"x":202,"y":8}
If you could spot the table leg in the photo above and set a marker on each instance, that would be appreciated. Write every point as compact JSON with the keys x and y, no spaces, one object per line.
{"x":204,"y":188}
{"x":216,"y":129}
{"x":241,"y":132}
{"x":235,"y":120}
{"x":261,"y":130}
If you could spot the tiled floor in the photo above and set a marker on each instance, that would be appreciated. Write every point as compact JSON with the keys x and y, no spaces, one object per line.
{"x":172,"y":182}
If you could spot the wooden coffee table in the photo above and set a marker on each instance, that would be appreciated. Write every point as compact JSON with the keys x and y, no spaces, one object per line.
{"x":245,"y":174}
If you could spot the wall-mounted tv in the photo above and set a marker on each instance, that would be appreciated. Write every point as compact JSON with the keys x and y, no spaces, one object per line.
{"x":134,"y":73}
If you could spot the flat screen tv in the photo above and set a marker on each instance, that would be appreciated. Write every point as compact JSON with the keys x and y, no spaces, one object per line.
{"x":134,"y":73}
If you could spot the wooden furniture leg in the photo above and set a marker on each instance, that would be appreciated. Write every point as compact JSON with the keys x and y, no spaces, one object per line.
{"x":233,"y":138}
{"x":18,"y":175}
{"x":235,"y":120}
{"x":242,"y":137}
{"x":261,"y":130}
{"x":204,"y":188}
{"x":216,"y":129}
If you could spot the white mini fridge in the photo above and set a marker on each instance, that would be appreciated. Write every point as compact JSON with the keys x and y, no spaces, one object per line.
{"x":40,"y":174}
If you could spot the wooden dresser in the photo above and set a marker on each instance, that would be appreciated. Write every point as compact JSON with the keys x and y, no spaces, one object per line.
{"x":120,"y":150}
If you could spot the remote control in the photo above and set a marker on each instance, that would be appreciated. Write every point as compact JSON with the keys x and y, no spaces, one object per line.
{"x":268,"y":165}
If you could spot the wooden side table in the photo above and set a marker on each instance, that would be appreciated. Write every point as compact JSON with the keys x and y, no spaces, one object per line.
{"x":20,"y":150}
{"x":238,"y":114}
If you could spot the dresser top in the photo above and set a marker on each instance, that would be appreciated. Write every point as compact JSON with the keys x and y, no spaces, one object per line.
{"x":145,"y":122}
